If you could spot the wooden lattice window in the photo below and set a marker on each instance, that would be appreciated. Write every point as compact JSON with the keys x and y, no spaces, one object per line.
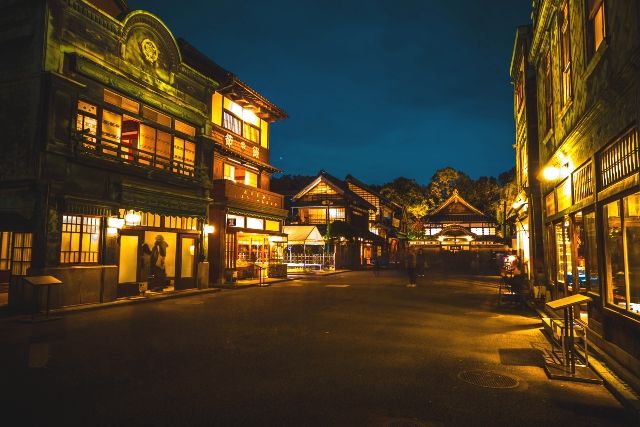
{"x":80,"y":239}
{"x":620,"y":159}
{"x":21,"y":253}
{"x":582,"y":183}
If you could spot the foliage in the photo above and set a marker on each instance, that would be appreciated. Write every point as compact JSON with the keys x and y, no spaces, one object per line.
{"x":442,"y":184}
{"x":290,"y":184}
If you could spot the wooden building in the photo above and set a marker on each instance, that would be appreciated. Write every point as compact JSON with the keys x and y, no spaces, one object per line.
{"x":389,"y":221}
{"x":458,"y":235}
{"x":342,"y":216}
{"x":247,"y":218}
{"x":117,"y":134}
{"x":585,"y":56}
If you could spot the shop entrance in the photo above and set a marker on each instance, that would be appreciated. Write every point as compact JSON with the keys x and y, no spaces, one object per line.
{"x":186,"y":262}
{"x":179,"y":263}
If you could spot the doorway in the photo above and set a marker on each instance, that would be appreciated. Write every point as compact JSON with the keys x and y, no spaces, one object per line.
{"x":186,"y":262}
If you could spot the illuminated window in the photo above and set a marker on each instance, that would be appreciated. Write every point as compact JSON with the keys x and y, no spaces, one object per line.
{"x":622,"y":253}
{"x":565,"y":52}
{"x":236,"y":220}
{"x":80,"y":239}
{"x":229,"y":172}
{"x":111,"y":131}
{"x":241,"y":121}
{"x":582,"y":183}
{"x":272,"y":225}
{"x":550,"y":203}
{"x":251,"y":179}
{"x":322,"y":188}
{"x":184,"y":156}
{"x":255,"y":223}
{"x":620,"y":159}
{"x":87,"y":123}
{"x":5,"y":250}
{"x":21,"y":253}
{"x":596,"y":27}
{"x":122,"y":102}
{"x":563,"y":195}
{"x":128,"y":139}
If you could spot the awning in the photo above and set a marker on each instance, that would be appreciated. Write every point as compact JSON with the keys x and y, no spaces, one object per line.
{"x":303,"y":235}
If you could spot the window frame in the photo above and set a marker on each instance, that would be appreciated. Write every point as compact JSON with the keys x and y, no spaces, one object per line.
{"x":590,"y":26}
{"x":122,"y":151}
{"x":564,"y":44}
{"x":67,"y":254}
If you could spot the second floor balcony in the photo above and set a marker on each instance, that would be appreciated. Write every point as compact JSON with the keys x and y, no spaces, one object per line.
{"x":227,"y":191}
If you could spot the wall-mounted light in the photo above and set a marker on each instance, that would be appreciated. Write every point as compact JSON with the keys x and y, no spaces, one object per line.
{"x":551,"y":173}
{"x":208,"y":229}
{"x":132,"y":218}
{"x":115,"y":222}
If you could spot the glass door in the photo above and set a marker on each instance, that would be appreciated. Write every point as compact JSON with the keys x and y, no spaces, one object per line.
{"x":187,"y":262}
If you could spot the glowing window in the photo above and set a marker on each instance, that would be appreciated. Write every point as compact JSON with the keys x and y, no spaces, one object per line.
{"x":251,"y":179}
{"x":255,"y":223}
{"x":80,"y":242}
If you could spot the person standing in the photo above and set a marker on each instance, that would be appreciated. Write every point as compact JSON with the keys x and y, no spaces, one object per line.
{"x":158,"y":255}
{"x":420,"y":261}
{"x":410,"y":264}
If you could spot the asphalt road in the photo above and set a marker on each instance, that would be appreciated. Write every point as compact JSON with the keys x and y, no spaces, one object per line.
{"x":343,"y":350}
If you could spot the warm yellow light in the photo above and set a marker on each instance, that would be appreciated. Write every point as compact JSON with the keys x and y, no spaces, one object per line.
{"x":208,"y":229}
{"x":132,"y":218}
{"x":551,"y":173}
{"x":115,"y":222}
{"x":192,"y":250}
{"x":112,"y":231}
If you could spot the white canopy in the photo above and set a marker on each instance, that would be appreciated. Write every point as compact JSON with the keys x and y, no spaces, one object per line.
{"x":303,"y":235}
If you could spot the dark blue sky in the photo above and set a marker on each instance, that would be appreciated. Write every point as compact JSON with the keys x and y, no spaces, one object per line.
{"x":377,"y":88}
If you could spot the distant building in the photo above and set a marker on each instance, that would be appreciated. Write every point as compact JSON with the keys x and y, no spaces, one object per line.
{"x":585,"y":56}
{"x":457,"y":233}
{"x":342,"y":216}
{"x":389,"y":221}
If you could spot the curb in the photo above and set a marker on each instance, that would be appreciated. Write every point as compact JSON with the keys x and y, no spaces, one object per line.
{"x":121,"y":302}
{"x":231,"y":286}
{"x":624,"y":393}
{"x":304,"y":275}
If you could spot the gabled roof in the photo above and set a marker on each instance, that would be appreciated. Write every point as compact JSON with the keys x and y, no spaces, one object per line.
{"x":353,"y":180}
{"x":338,"y":185}
{"x":230,"y":84}
{"x":456,"y":198}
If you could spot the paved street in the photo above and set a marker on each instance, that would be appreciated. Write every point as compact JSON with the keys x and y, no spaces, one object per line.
{"x":346,"y":350}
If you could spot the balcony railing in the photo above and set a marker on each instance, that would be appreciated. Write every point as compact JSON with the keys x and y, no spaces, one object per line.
{"x":245,"y":193}
{"x":96,"y":147}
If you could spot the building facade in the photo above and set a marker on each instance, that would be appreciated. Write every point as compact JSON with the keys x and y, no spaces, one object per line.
{"x":247,"y":239}
{"x":389,"y":221}
{"x":525,"y":210}
{"x":586,"y":56}
{"x":342,"y":216}
{"x":457,"y":235}
{"x":118,"y":134}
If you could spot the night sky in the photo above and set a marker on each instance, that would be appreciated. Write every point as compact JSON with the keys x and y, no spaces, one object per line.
{"x":378,"y":88}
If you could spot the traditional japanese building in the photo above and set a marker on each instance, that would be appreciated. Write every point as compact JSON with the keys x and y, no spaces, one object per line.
{"x":525,"y":210}
{"x":117,"y":134}
{"x":389,"y":221}
{"x":457,"y":233}
{"x":247,"y":239}
{"x":342,"y":216}
{"x":586,"y":56}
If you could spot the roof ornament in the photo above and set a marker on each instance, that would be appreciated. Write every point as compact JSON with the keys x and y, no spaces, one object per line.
{"x":149,"y":50}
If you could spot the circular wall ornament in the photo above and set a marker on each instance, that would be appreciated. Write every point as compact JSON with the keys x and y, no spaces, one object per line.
{"x":243,"y":145}
{"x":149,"y":50}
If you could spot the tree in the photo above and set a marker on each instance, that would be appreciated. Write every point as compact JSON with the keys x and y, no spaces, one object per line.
{"x":442,"y":184}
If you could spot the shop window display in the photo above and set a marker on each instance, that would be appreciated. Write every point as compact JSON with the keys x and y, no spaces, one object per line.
{"x":632,"y":249}
{"x":593,"y":279}
{"x":614,"y":255}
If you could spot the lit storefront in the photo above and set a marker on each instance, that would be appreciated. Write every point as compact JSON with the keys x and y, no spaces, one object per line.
{"x":255,"y":246}
{"x":247,"y":217}
{"x":115,"y":159}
